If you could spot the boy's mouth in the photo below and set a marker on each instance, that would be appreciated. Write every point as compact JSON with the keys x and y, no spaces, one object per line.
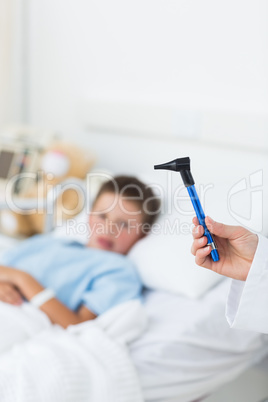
{"x":105,"y":243}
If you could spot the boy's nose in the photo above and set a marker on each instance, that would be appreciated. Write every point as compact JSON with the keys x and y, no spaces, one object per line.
{"x":110,"y":226}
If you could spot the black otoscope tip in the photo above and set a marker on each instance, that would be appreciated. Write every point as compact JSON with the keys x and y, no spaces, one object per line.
{"x":177,"y":165}
{"x":167,"y":166}
{"x":181,"y":165}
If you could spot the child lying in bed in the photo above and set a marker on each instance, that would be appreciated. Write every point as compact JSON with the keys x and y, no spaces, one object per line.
{"x":72,"y":283}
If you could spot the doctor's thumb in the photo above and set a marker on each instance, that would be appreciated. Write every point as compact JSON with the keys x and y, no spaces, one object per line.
{"x":219,"y":229}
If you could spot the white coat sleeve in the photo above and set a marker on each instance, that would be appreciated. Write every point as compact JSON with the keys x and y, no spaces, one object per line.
{"x":247,"y":303}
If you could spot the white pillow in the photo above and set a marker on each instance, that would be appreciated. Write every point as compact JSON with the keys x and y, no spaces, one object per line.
{"x":76,"y":228}
{"x":164,"y":260}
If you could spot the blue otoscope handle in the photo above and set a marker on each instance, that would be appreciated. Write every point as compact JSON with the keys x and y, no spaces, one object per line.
{"x":201,"y":218}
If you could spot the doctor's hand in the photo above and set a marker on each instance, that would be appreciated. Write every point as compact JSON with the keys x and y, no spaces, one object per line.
{"x":9,"y":294}
{"x":236,"y":246}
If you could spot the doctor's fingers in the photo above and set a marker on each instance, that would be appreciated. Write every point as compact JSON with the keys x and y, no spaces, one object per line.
{"x":9,"y":294}
{"x":198,"y":244}
{"x":198,"y":231}
{"x":201,"y":257}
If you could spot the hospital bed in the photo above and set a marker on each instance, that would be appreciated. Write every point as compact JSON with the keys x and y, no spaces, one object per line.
{"x":187,"y":351}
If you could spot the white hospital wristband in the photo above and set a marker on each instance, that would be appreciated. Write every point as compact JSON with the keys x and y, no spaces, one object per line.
{"x":42,"y":297}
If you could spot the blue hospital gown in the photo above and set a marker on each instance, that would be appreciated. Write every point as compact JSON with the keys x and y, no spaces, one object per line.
{"x":79,"y":275}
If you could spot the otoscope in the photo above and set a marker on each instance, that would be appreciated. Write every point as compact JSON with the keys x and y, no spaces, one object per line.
{"x":182,"y":165}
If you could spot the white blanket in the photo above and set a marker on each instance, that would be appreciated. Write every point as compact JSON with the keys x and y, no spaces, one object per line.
{"x":87,"y":362}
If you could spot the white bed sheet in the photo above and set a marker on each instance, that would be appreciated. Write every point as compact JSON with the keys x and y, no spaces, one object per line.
{"x":188,"y":349}
{"x":42,"y":362}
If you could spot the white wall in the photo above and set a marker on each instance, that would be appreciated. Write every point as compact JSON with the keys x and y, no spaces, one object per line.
{"x":189,"y":54}
{"x":11,"y":65}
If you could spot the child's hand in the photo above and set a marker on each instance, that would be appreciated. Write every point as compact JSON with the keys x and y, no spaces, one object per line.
{"x":9,"y":294}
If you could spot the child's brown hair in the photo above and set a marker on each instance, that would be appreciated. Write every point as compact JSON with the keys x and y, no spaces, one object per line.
{"x":135,"y":191}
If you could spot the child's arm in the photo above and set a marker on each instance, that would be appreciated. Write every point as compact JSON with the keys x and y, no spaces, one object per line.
{"x":54,"y":309}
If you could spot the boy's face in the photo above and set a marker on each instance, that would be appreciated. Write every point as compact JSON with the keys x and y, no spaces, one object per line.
{"x":115,"y":223}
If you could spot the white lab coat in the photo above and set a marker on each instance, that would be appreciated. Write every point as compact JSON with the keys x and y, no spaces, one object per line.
{"x":247,"y":304}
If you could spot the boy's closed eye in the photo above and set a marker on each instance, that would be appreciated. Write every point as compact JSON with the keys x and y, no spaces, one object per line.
{"x":102,"y":216}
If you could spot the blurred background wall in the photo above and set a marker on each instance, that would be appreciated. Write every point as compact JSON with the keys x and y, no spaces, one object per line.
{"x":10,"y":62}
{"x":189,"y":55}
